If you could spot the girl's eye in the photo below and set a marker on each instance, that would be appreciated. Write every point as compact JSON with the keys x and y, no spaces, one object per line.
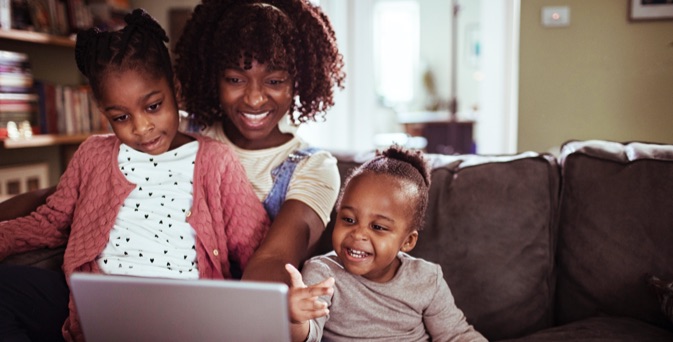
{"x":377,"y":227}
{"x":154,"y":107}
{"x":233,"y":80}
{"x":120,"y":118}
{"x":347,"y":220}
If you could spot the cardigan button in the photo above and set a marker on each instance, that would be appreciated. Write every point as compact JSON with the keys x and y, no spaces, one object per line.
{"x":216,"y":252}
{"x":189,"y":213}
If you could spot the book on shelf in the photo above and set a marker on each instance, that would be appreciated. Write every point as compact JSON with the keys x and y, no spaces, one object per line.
{"x":68,"y":109}
{"x":16,"y":75}
{"x":50,"y":16}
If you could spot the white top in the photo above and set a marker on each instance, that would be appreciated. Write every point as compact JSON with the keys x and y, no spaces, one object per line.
{"x":315,"y":181}
{"x":151,"y":236}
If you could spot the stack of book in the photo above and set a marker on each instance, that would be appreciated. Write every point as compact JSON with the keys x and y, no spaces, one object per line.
{"x":18,"y":100}
{"x":40,"y":107}
{"x":62,"y":17}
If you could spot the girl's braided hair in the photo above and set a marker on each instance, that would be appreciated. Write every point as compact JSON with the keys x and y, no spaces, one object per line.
{"x":291,"y":35}
{"x":405,"y":164}
{"x":139,"y":46}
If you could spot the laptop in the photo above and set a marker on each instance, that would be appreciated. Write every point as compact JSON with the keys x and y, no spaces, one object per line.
{"x":123,"y":308}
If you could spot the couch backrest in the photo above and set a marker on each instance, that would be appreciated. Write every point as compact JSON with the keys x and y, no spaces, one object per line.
{"x":490,"y":225}
{"x":615,"y":227}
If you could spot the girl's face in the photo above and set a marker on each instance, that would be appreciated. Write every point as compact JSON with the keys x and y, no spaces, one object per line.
{"x":374,"y":223}
{"x":141,"y":111}
{"x":254,"y":101}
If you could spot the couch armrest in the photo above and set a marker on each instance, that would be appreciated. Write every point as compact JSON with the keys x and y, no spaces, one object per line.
{"x":24,"y":204}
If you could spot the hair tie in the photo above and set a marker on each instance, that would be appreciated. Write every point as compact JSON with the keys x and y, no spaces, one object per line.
{"x":139,"y":20}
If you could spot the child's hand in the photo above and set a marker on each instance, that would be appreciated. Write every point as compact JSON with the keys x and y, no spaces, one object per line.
{"x":303,"y":300}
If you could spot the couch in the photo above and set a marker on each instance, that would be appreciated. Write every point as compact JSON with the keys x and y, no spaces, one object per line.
{"x":542,"y":247}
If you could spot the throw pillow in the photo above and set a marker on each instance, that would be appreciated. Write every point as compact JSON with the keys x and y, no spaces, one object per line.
{"x":664,"y":291}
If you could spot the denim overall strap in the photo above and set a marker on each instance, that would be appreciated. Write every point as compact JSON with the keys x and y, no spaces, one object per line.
{"x":281,"y":175}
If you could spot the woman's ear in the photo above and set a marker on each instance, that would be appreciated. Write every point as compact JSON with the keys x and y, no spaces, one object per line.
{"x":410,"y":241}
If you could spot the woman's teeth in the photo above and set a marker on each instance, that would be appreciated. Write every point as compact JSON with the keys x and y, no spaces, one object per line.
{"x":256,"y":118}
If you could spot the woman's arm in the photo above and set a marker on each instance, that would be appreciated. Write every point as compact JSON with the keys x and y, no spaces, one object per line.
{"x":24,"y":204}
{"x":292,"y":234}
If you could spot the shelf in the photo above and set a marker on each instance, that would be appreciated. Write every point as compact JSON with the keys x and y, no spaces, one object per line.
{"x":37,"y":37}
{"x":40,"y":140}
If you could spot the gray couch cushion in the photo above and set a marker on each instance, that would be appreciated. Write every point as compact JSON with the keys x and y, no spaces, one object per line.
{"x":595,"y":329}
{"x":490,"y":225}
{"x":616,"y":226}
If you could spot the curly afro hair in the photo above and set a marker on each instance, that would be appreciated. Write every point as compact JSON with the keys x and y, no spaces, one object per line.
{"x":292,"y":35}
{"x":405,"y":164}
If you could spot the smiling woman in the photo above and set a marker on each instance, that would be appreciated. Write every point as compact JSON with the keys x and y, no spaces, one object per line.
{"x":250,"y":72}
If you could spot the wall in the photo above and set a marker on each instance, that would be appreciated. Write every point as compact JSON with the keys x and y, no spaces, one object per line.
{"x":603,"y":77}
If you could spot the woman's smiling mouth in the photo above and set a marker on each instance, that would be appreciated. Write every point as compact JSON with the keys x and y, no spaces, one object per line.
{"x":255,"y":120}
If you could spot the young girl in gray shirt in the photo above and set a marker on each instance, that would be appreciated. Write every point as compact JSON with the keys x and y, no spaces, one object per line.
{"x":368,"y":287}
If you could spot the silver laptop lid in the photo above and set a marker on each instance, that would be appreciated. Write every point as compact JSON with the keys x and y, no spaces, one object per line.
{"x":122,"y":308}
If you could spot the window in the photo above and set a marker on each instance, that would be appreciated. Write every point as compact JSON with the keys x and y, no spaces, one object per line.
{"x":396,"y":51}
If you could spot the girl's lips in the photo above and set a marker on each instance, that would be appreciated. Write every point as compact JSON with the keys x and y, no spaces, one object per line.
{"x":356,"y":255}
{"x":151,"y":144}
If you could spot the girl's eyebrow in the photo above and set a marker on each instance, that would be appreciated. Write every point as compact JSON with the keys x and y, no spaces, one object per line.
{"x":142,"y":99}
{"x":378,"y":216}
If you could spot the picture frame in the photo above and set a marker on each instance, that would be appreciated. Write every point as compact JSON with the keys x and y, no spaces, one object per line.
{"x":17,"y":179}
{"x":641,"y":10}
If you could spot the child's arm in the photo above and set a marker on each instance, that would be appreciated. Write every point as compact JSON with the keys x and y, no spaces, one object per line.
{"x":445,"y":321}
{"x":24,"y":204}
{"x":304,"y":304}
{"x":48,"y":225}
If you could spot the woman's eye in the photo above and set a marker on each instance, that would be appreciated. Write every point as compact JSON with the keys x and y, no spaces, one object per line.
{"x":277,"y":82}
{"x":232,"y":80}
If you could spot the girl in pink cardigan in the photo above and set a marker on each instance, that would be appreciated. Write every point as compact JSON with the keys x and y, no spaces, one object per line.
{"x":146,"y":201}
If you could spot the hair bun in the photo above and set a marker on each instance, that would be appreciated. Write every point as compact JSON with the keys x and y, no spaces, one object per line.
{"x":85,"y":44}
{"x":139,"y":18}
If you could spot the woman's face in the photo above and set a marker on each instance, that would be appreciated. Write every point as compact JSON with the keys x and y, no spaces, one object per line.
{"x":254,"y":101}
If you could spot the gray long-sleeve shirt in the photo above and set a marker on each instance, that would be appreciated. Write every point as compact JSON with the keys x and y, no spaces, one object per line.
{"x":416,"y":305}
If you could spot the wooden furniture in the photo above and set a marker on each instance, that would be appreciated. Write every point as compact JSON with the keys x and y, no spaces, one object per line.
{"x":52,"y":59}
{"x":444,"y":136}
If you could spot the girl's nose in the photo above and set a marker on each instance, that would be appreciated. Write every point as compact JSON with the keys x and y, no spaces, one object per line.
{"x":142,"y":124}
{"x":360,"y":233}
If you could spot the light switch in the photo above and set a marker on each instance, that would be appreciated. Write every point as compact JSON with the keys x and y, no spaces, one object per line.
{"x":555,"y":16}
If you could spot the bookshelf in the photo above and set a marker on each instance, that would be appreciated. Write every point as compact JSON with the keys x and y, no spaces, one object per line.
{"x":52,"y":60}
{"x":37,"y":37}
{"x":42,"y":140}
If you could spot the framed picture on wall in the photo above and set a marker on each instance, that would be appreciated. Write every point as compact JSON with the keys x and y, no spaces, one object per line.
{"x":18,"y":179}
{"x":650,"y":10}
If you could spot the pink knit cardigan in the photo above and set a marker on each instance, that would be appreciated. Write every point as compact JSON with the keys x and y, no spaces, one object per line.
{"x":229,"y":220}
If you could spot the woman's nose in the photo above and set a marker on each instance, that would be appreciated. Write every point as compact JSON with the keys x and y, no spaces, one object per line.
{"x":254,"y":96}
